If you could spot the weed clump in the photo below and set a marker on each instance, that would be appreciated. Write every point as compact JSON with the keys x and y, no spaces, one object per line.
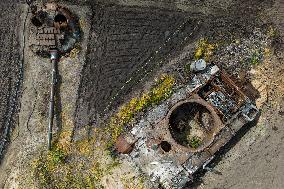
{"x":195,"y":142}
{"x":58,"y":170}
{"x":272,"y":32}
{"x":204,"y":50}
{"x":133,"y":183}
{"x":162,"y":90}
{"x":83,"y":164}
{"x":75,"y":51}
{"x":45,"y":164}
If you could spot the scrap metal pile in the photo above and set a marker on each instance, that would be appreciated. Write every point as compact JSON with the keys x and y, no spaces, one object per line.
{"x":181,"y":135}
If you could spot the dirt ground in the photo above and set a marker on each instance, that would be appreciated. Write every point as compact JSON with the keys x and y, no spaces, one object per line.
{"x":30,"y":133}
{"x":255,"y":157}
{"x":123,"y":45}
{"x":123,"y":40}
{"x":10,"y":71}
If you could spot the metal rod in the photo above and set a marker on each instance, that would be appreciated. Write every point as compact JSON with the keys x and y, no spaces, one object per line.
{"x":54,"y":59}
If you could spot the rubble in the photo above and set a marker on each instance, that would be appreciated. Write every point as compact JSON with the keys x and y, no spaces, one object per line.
{"x":243,"y":54}
{"x":166,"y":159}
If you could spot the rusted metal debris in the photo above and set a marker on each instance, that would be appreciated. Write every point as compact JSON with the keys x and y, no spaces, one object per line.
{"x":51,"y":27}
{"x":49,"y":37}
{"x":123,"y":146}
{"x":210,"y":109}
{"x":54,"y":31}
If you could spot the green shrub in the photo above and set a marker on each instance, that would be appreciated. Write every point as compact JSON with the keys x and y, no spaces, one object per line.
{"x":256,"y":58}
{"x":195,"y":142}
{"x":56,"y":156}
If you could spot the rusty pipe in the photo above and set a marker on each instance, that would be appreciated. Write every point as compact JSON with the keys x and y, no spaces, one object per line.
{"x":54,"y":55}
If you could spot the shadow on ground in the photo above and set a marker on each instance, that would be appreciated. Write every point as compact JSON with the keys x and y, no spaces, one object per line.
{"x":220,"y":154}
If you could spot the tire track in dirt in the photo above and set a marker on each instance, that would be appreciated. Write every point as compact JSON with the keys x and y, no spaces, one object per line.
{"x":123,"y":40}
{"x":9,"y":66}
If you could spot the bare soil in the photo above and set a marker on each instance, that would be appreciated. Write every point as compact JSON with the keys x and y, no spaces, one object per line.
{"x":10,"y":68}
{"x":123,"y":39}
{"x":254,"y":159}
